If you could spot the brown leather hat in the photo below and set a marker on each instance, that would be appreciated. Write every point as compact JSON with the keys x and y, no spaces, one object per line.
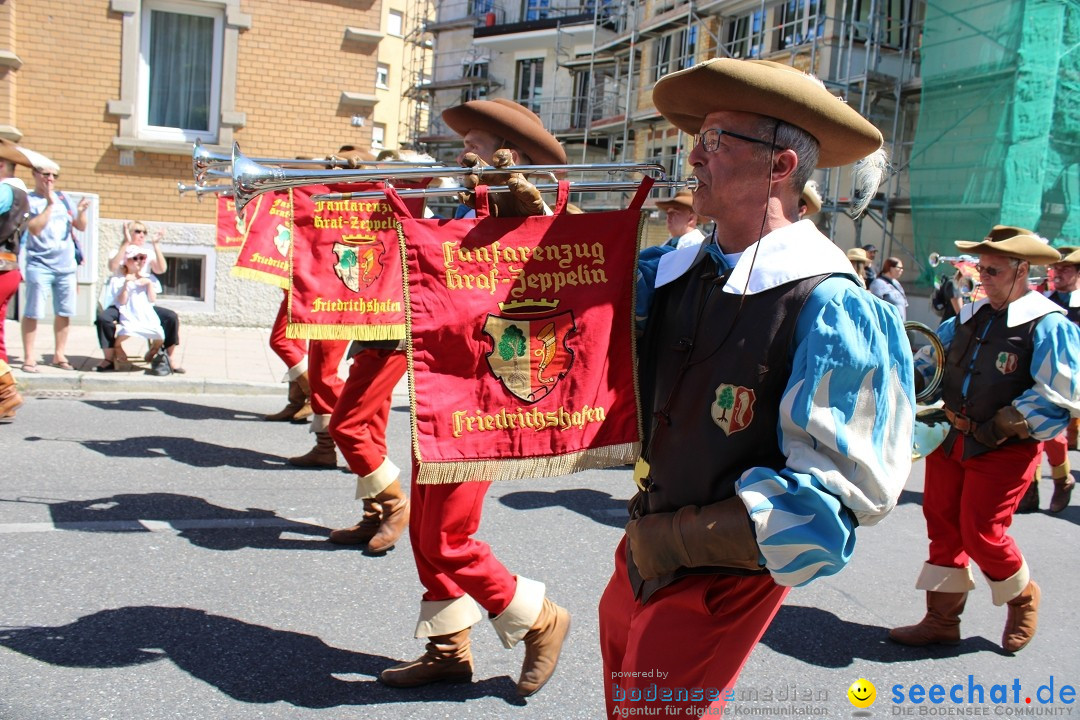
{"x":770,"y":89}
{"x":510,"y":121}
{"x":682,"y":199}
{"x":1013,"y":242}
{"x":812,"y":198}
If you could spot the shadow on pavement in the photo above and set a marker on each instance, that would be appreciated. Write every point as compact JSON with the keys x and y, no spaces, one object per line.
{"x":247,"y":662}
{"x":595,"y":505}
{"x":187,"y":451}
{"x":202,"y":523}
{"x":174,"y":408}
{"x":912,"y":497}
{"x":820,"y":638}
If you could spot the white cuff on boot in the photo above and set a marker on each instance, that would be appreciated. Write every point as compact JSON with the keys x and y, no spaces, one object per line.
{"x":937,"y":578}
{"x":1002,"y":591}
{"x":512,"y":624}
{"x":370,"y":485}
{"x":320,"y":423}
{"x":296,"y":370}
{"x":446,"y":617}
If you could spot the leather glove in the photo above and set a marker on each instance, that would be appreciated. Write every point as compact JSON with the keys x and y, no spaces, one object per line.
{"x":522,"y":200}
{"x":719,"y":534}
{"x":1006,"y":423}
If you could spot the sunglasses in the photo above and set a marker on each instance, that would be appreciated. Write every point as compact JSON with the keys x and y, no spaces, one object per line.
{"x":140,"y":232}
{"x":48,"y":174}
{"x":991,"y":271}
{"x":710,"y":139}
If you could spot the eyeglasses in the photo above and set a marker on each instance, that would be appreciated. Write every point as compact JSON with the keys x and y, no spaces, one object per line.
{"x":992,"y":271}
{"x":710,"y":139}
{"x":141,"y":232}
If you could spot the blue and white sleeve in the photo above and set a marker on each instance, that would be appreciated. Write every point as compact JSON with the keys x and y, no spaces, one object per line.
{"x":1055,"y":368}
{"x":846,"y":422}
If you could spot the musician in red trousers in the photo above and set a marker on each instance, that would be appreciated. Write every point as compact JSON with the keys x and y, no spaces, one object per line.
{"x":460,"y":574}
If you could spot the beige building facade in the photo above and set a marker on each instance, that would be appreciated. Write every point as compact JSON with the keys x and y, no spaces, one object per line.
{"x":116,"y":92}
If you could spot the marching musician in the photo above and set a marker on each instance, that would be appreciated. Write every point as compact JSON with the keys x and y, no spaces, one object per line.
{"x":457,"y":571}
{"x":1065,"y":294}
{"x":781,"y":391}
{"x":1009,"y":383}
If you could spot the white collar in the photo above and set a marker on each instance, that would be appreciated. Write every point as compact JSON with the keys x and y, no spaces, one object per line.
{"x":792,"y":252}
{"x":1025,"y":308}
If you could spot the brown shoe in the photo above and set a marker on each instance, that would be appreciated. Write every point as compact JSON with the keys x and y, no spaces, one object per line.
{"x":362,"y":531}
{"x":1023,"y":618}
{"x":295,"y":405}
{"x":940,"y":625}
{"x":1062,"y":494}
{"x":395,"y":518}
{"x":446,"y":658}
{"x":303,"y":414}
{"x":10,"y":399}
{"x":1030,"y":502}
{"x":543,"y":643}
{"x":323,"y":455}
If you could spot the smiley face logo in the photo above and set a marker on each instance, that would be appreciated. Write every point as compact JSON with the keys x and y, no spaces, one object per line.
{"x":862,"y":693}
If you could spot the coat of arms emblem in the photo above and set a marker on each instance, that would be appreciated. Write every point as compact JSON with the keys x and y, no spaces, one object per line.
{"x":1007,"y":362}
{"x":733,"y":409}
{"x":530,"y":356}
{"x":359,"y":260}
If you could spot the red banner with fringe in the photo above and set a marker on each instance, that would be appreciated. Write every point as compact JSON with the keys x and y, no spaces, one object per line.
{"x":521,"y":341}
{"x":347,"y":282}
{"x":230,"y":233}
{"x":267,"y":240}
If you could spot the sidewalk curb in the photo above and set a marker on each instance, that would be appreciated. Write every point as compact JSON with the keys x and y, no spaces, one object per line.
{"x":32,"y":383}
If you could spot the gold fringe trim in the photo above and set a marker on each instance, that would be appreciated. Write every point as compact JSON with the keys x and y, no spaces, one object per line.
{"x":260,"y":276}
{"x":438,"y":473}
{"x":306,"y":331}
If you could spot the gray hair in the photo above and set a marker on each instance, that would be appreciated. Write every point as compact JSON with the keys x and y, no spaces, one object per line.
{"x":789,"y":137}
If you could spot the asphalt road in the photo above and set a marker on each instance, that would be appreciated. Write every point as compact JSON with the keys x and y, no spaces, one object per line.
{"x":158,"y":559}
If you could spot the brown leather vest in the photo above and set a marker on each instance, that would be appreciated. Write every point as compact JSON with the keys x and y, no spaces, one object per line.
{"x":718,"y":364}
{"x":997,"y":358}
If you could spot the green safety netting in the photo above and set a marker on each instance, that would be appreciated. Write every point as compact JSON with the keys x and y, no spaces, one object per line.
{"x":998,"y":139}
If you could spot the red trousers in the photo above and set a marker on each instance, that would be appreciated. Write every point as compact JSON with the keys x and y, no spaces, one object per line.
{"x":358,"y":423}
{"x":324,"y":356}
{"x":292,"y":351}
{"x":699,"y":630}
{"x":969,"y":506}
{"x":1057,"y":450}
{"x":9,"y":284}
{"x":449,"y":561}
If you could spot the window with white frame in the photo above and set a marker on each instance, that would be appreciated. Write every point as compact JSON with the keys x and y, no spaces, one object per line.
{"x":797,"y":23}
{"x":382,"y":76}
{"x":674,"y":51}
{"x":183,"y":278}
{"x":180,"y":56}
{"x":378,"y":136}
{"x":395,"y":23}
{"x":745,"y":37}
{"x":529,"y":89}
{"x":478,"y":70}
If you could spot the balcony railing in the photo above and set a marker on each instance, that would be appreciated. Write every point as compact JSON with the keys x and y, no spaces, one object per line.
{"x":468,"y":12}
{"x":569,"y":114}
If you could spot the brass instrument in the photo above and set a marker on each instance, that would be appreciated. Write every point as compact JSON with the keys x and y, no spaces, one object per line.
{"x":207,"y":163}
{"x":453,"y":190}
{"x":934,"y":428}
{"x":201,"y":190}
{"x":936,"y":259}
{"x":251,"y":179}
{"x":932,"y":386}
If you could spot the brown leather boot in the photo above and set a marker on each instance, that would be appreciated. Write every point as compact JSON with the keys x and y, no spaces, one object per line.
{"x":10,"y":399}
{"x":446,"y":659}
{"x":363,"y":530}
{"x":543,"y":643}
{"x":323,"y":455}
{"x":940,"y":625}
{"x":304,"y":412}
{"x":295,"y":405}
{"x":1071,"y":432}
{"x":395,"y":518}
{"x":1030,"y":502}
{"x":1023,"y":618}
{"x":1063,"y":487}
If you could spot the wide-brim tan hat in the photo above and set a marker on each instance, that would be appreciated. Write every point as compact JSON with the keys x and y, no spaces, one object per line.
{"x":1073,"y":258}
{"x":1013,"y":242}
{"x":771,"y":89}
{"x":858,"y":255}
{"x":684,"y":199}
{"x":512,"y":122}
{"x":26,"y":157}
{"x":812,"y":198}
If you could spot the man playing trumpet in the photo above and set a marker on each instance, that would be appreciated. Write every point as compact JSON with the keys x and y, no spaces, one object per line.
{"x":1009,"y":382}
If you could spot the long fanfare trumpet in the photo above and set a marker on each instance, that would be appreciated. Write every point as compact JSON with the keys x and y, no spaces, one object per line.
{"x":599,"y":186}
{"x":936,"y":259}
{"x":200,"y":190}
{"x":251,"y":179}
{"x":207,"y":163}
